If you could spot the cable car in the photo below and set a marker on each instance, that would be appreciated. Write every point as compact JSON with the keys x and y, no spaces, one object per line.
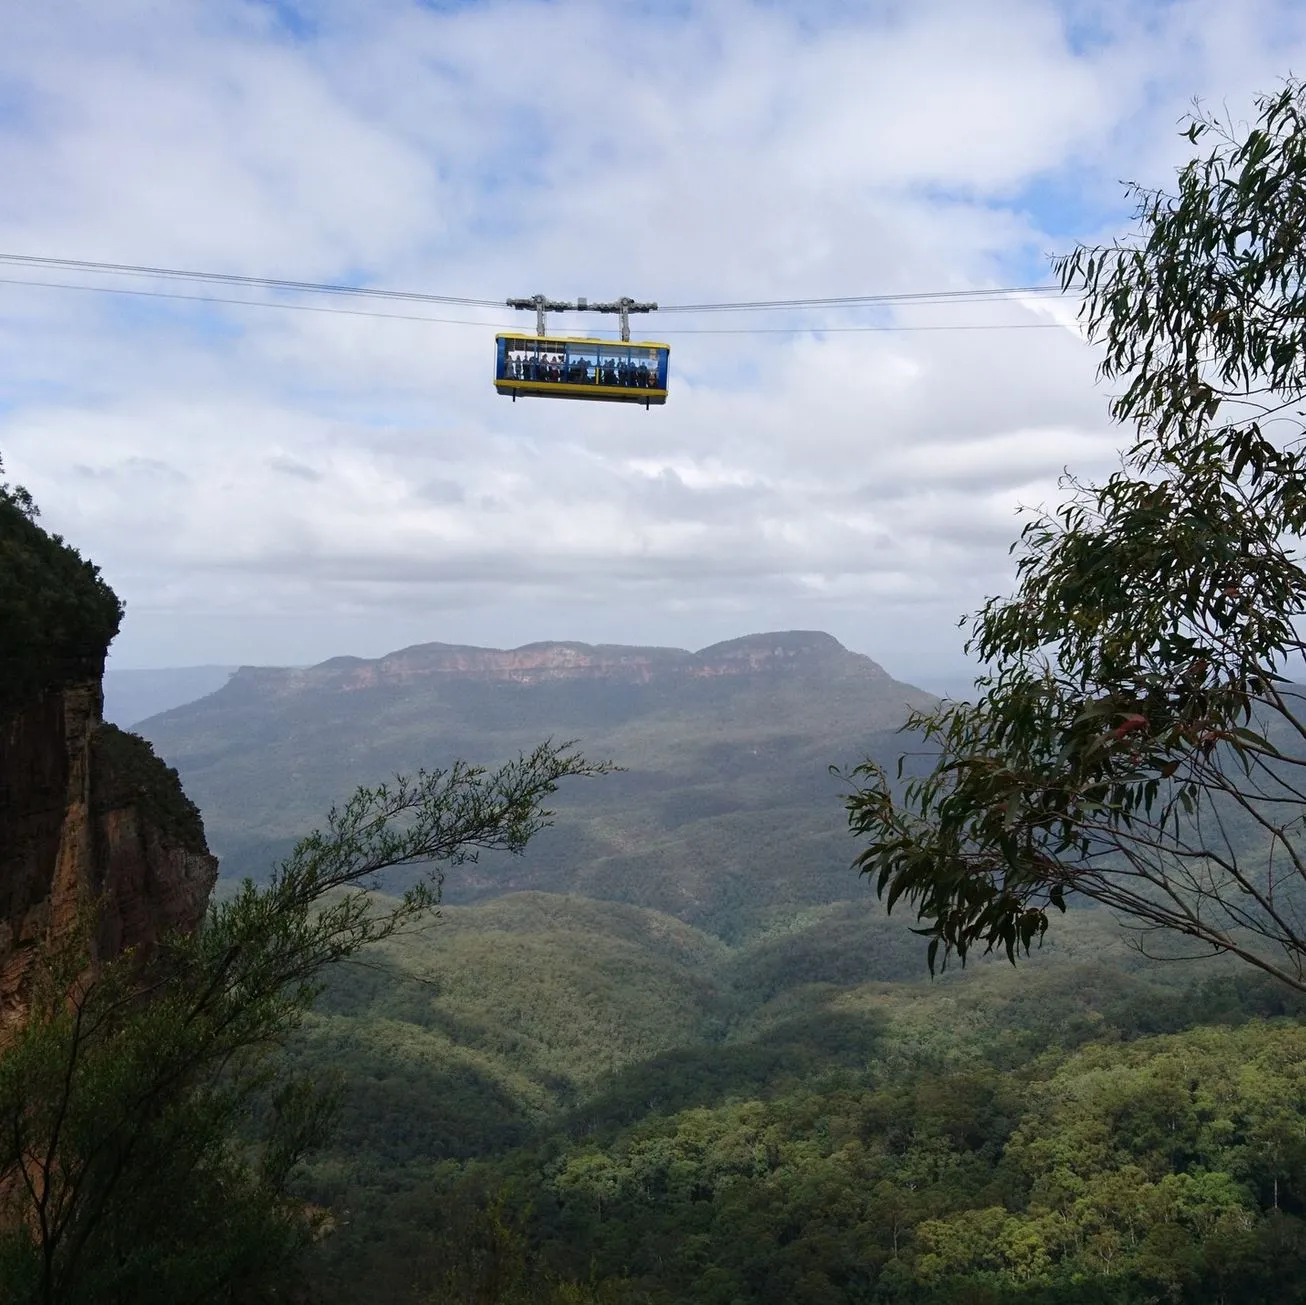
{"x":553,"y":367}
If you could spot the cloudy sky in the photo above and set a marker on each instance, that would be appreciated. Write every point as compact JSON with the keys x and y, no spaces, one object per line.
{"x":268,"y":485}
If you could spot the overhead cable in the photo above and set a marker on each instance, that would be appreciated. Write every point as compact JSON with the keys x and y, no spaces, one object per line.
{"x":509,"y":326}
{"x":249,"y":303}
{"x":866,"y":301}
{"x":228,"y":278}
{"x":82,"y":265}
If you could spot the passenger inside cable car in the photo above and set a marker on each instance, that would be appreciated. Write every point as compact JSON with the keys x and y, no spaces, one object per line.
{"x":609,"y":370}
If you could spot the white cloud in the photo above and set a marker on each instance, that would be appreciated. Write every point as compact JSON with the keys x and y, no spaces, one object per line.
{"x":262,"y":484}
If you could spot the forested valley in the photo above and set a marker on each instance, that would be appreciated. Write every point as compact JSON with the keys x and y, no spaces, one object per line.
{"x":547,"y":976}
{"x":678,"y":1052}
{"x":673,"y":1050}
{"x":553,"y":1099}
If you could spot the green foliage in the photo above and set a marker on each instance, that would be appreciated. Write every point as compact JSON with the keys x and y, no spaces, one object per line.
{"x":1120,"y":1174}
{"x":1135,"y":741}
{"x":786,"y":1136}
{"x":120,"y":1179}
{"x":485,"y":1258}
{"x":57,"y":616}
{"x":124,"y":1175}
{"x":125,"y":772}
{"x":724,"y":815}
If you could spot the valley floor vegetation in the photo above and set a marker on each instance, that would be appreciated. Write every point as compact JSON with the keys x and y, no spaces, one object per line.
{"x":148,"y":1126}
{"x":547,"y":1099}
{"x":1096,"y":1128}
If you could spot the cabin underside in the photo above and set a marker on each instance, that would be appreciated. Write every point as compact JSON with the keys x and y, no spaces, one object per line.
{"x":566,"y":390}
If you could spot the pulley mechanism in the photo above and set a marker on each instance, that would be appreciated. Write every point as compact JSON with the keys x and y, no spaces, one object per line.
{"x":542,"y":305}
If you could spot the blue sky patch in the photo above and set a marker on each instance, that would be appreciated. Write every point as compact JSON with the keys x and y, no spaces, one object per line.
{"x":293,"y":17}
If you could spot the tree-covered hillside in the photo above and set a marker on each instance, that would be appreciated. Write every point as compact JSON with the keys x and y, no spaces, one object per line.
{"x":554,"y":1099}
{"x":725,"y":816}
{"x":704,"y":1066}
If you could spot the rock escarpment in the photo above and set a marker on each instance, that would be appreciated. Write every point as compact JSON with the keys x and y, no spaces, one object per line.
{"x":95,"y":832}
{"x":787,"y":652}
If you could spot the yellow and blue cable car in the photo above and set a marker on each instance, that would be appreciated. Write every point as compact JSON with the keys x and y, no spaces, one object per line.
{"x":546,"y":366}
{"x":553,"y":367}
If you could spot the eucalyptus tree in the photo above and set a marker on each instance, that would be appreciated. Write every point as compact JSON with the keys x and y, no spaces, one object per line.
{"x":1137,"y":738}
{"x":148,"y":1127}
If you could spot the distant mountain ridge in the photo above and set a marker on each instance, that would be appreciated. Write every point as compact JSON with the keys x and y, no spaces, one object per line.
{"x":782,"y":652}
{"x":724,"y":814}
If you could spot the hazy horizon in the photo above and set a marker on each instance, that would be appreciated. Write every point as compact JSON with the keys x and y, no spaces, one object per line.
{"x":281,"y":486}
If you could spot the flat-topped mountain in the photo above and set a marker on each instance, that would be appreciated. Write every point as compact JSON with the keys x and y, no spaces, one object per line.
{"x":790,"y":652}
{"x":725,"y":808}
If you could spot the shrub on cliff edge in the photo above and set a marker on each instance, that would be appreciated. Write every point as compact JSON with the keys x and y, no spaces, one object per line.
{"x":125,"y":772}
{"x":148,"y":1130}
{"x":57,"y":616}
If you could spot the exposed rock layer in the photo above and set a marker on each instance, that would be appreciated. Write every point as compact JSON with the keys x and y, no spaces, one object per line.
{"x":88,"y":817}
{"x":786,"y":652}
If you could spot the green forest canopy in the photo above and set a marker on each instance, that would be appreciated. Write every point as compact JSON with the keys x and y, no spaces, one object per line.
{"x":1137,"y":740}
{"x":57,"y":616}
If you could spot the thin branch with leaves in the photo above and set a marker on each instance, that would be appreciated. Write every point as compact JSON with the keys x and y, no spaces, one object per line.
{"x":128,"y":1171}
{"x":1137,"y":739}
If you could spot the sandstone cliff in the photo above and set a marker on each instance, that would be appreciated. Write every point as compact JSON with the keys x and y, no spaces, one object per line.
{"x":788,"y":652}
{"x":87,"y":814}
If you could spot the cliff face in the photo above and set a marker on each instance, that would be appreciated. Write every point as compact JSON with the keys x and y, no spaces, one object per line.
{"x":790,"y":652}
{"x":89,"y":817}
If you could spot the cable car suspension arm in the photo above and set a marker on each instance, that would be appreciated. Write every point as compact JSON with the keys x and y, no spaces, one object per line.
{"x":542,"y":305}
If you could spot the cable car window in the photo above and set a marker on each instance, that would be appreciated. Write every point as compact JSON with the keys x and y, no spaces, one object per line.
{"x":584,"y":360}
{"x":627,"y":366}
{"x":579,"y":369}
